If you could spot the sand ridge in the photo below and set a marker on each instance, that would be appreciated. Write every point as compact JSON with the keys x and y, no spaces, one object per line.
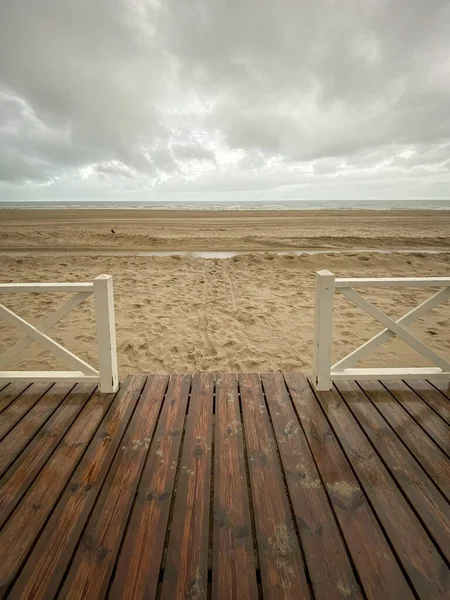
{"x":249,"y":313}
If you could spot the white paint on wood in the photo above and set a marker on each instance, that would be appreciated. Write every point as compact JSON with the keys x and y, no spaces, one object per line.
{"x":400,"y":331}
{"x":46,"y":287}
{"x":394,"y":373}
{"x":323,"y":329}
{"x":52,"y":376}
{"x":65,"y":355}
{"x":385,"y":335}
{"x":323,"y":374}
{"x":106,"y":333}
{"x":393,"y":282}
{"x":43,"y":326}
{"x":102,"y":287}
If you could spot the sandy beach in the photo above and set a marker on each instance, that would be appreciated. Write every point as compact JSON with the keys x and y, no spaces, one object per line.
{"x":251,"y":312}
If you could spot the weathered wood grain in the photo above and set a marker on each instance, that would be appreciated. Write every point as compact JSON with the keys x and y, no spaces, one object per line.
{"x":280,"y":557}
{"x":422,"y":562}
{"x":21,"y":405}
{"x":432,"y":396}
{"x":18,"y":438}
{"x":47,"y":563}
{"x":423,"y":495}
{"x":10,"y":392}
{"x":430,"y":456}
{"x":379,"y":572}
{"x":437,"y":429}
{"x":442,"y":386}
{"x":186,"y":567}
{"x":22,"y":472}
{"x":233,"y":571}
{"x":139,"y":563}
{"x":325,"y":552}
{"x":90,"y":571}
{"x":23,"y":527}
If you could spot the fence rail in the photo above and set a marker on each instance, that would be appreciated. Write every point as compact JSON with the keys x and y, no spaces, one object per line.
{"x":102,"y":289}
{"x":324,"y":373}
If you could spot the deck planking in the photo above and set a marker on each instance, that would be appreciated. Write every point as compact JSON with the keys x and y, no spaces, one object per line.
{"x":224,"y":486}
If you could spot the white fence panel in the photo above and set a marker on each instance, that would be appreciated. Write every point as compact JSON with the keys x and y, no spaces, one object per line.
{"x":107,"y":375}
{"x":324,"y":373}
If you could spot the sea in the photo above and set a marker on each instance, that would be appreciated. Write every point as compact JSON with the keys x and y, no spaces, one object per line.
{"x":374,"y":204}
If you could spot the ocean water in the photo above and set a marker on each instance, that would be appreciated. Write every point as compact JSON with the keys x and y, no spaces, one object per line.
{"x":380,"y":204}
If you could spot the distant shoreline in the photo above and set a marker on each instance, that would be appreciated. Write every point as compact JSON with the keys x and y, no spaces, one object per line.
{"x":212,"y":231}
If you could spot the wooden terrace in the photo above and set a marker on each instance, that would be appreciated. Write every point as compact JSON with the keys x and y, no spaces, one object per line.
{"x":225,"y":486}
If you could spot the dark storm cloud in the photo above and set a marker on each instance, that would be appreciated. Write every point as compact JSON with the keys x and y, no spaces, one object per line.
{"x":209,"y":94}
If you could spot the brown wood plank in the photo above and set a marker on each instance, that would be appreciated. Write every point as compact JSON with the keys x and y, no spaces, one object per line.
{"x":378,"y":570}
{"x":433,"y":397}
{"x":23,"y":527}
{"x":20,"y":475}
{"x":3,"y":385}
{"x":325,"y":552}
{"x":427,"y":500}
{"x":88,"y":575}
{"x":442,"y":386}
{"x":139,"y":561}
{"x":47,"y":563}
{"x":419,"y":410}
{"x":17,"y":439}
{"x":234,"y":571}
{"x":280,"y":557}
{"x":10,"y":393}
{"x":429,"y":455}
{"x":422,"y":562}
{"x":21,"y":405}
{"x":186,"y":567}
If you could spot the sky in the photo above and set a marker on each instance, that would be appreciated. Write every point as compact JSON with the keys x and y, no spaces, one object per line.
{"x":224,"y":99}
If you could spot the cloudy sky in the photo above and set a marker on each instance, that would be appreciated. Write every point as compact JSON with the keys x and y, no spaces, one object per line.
{"x":224,"y":99}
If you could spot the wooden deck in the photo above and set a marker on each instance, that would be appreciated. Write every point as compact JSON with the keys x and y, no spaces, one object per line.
{"x":218,"y":486}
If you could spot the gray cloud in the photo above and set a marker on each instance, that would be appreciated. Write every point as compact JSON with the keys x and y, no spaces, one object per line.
{"x":137,"y":96}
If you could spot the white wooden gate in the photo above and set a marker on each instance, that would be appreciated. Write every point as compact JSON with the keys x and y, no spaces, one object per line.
{"x":107,"y":374}
{"x":326,"y":284}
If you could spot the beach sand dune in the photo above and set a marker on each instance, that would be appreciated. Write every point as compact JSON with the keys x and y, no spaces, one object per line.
{"x":252,"y":312}
{"x":222,"y":230}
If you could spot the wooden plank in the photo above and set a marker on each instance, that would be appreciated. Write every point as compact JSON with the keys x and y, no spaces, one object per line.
{"x":422,"y":562}
{"x":186,"y":567}
{"x":442,"y":386}
{"x":46,"y":287}
{"x":48,"y":561}
{"x":426,"y":499}
{"x":358,"y":282}
{"x":21,"y":530}
{"x":378,"y":570}
{"x":280,"y":557}
{"x":52,"y":376}
{"x":20,"y":475}
{"x":21,"y":406}
{"x":425,"y":451}
{"x":395,"y":374}
{"x":325,"y":553}
{"x":10,"y":392}
{"x":17,"y":439}
{"x":430,"y":422}
{"x":88,"y":575}
{"x":433,"y":397}
{"x":233,"y":572}
{"x":139,"y":562}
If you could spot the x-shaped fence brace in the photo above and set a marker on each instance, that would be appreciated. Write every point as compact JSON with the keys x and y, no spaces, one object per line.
{"x":393,"y":328}
{"x":36,"y":333}
{"x":102,"y":289}
{"x":326,"y":284}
